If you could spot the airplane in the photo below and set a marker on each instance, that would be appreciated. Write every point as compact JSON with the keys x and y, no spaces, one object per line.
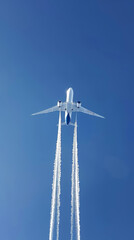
{"x":68,"y":107}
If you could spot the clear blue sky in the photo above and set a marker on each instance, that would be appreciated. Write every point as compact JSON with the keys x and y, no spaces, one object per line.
{"x":46,"y":47}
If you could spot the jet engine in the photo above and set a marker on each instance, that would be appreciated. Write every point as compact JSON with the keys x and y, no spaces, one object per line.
{"x":78,"y":104}
{"x":59,"y":103}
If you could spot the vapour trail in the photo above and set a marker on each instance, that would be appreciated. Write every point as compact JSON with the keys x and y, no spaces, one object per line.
{"x":72,"y":193}
{"x":75,"y":186}
{"x":55,"y":173}
{"x":59,"y":177}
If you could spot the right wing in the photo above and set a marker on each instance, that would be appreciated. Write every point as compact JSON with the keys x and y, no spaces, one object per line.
{"x":84,"y":110}
{"x":52,"y":109}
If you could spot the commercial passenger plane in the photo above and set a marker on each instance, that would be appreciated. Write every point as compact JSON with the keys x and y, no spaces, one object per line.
{"x":68,"y":107}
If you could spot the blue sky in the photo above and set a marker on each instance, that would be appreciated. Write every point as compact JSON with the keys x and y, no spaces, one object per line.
{"x":46,"y":47}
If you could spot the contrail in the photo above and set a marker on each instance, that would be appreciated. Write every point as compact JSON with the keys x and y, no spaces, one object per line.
{"x":56,"y":182}
{"x":56,"y":189}
{"x":59,"y":177}
{"x":75,"y":186}
{"x":72,"y":193}
{"x":77,"y":189}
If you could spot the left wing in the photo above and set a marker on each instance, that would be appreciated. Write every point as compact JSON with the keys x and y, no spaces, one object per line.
{"x":84,"y":110}
{"x":52,"y":109}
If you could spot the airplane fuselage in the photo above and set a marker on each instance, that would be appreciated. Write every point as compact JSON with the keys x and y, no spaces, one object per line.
{"x":69,"y":101}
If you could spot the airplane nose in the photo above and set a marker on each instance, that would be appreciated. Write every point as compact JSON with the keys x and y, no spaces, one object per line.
{"x":70,"y":89}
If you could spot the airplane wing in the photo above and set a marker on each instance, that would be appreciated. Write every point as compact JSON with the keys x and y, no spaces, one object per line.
{"x":84,"y":110}
{"x":52,"y":109}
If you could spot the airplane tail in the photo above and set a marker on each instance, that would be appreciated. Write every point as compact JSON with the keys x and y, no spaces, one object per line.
{"x":63,"y":123}
{"x":72,"y":124}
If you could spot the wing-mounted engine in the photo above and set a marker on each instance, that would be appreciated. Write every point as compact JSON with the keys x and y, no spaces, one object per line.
{"x":59,"y":103}
{"x":78,"y":104}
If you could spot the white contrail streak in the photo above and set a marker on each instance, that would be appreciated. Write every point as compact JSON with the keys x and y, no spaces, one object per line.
{"x":55,"y":182}
{"x":77,"y":189}
{"x":72,"y":194}
{"x":56,"y":189}
{"x":75,"y":186}
{"x":59,"y":177}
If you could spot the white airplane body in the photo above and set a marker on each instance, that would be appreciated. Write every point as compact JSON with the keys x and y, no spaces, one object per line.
{"x":68,"y":107}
